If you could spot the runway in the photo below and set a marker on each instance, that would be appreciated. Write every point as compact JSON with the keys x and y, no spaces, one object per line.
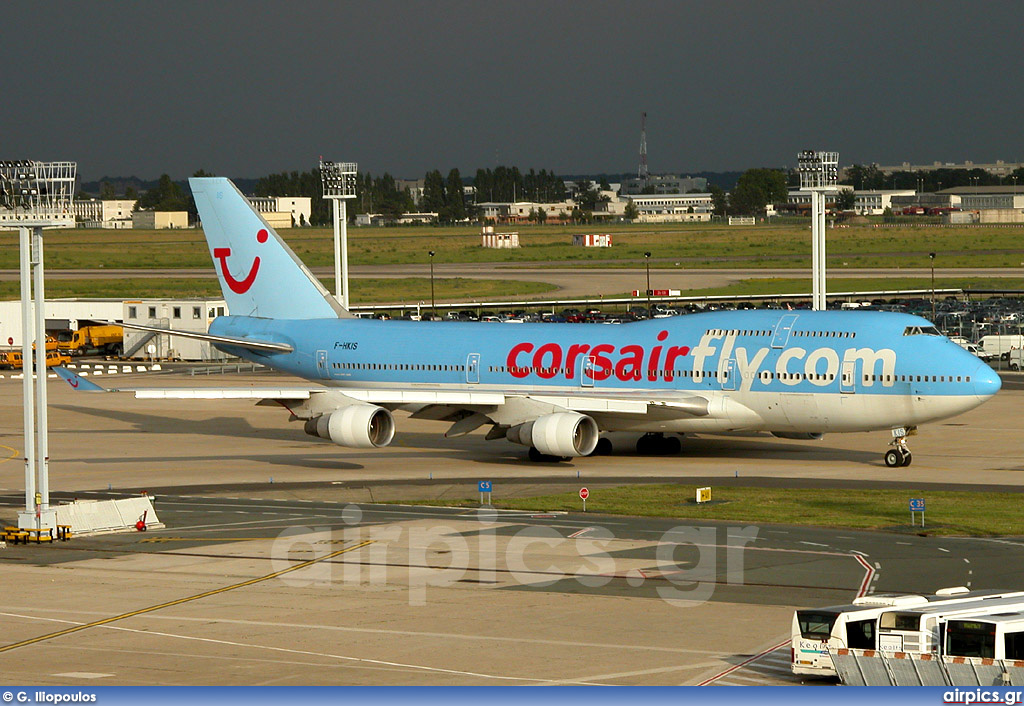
{"x":590,"y":281}
{"x":279,"y":563}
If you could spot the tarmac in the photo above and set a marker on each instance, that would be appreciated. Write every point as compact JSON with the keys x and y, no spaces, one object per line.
{"x":279,"y":564}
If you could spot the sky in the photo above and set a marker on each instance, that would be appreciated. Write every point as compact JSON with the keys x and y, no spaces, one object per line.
{"x":244,"y":89}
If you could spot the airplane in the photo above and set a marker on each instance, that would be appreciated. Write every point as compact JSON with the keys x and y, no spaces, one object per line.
{"x":568,"y":390}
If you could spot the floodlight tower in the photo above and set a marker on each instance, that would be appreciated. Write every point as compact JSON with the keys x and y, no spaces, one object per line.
{"x":33,"y":196}
{"x":339,"y":182}
{"x":819,"y":172}
{"x":641,"y":172}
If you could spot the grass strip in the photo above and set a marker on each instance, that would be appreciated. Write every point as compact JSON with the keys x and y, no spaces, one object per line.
{"x":948,"y":512}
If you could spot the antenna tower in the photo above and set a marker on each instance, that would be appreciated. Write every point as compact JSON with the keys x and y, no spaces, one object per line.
{"x":642,"y":171}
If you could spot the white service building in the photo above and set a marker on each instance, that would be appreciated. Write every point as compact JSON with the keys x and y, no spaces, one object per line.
{"x":283,"y":211}
{"x":104,"y":213}
{"x":672,"y":208}
{"x":193,"y":315}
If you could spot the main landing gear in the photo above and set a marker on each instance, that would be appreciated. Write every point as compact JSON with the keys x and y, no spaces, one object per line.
{"x":899,"y":454}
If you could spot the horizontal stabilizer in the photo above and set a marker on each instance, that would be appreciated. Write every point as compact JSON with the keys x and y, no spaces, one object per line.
{"x":249,"y":343}
{"x":76,"y":381}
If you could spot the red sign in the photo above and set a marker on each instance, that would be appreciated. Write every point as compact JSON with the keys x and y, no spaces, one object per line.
{"x":10,"y":341}
{"x":584,"y":493}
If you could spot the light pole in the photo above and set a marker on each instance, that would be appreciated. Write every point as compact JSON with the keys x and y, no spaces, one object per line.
{"x":819,"y":172}
{"x":647,"y":264}
{"x":431,"y":253}
{"x":35,"y":195}
{"x":931,"y":256}
{"x":339,"y":184}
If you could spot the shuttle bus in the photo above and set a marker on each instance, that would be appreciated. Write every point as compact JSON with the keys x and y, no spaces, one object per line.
{"x":920,"y":630}
{"x":996,"y":636}
{"x":856,"y":625}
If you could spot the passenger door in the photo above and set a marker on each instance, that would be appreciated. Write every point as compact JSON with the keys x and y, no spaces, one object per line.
{"x":782,"y":329}
{"x":587,"y":372}
{"x":848,"y":377}
{"x":321,"y":364}
{"x":473,"y":368}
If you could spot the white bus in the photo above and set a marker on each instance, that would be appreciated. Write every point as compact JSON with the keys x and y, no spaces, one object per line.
{"x":856,"y":625}
{"x":920,"y":629}
{"x":996,"y":636}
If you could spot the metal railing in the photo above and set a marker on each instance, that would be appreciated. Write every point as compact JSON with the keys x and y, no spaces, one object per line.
{"x":876,"y":668}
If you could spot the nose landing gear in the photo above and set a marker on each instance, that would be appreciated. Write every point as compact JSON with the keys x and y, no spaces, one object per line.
{"x":899,"y":454}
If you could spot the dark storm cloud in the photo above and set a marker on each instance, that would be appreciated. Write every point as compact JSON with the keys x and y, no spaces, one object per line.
{"x":247,"y":88}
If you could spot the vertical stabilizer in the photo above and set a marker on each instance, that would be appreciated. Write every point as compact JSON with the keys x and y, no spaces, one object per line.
{"x":259,"y":274}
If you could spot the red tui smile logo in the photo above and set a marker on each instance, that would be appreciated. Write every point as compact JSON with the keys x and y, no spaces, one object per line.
{"x":240,"y":286}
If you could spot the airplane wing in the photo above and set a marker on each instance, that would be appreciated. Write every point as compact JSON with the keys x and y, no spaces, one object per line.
{"x":465,"y":410}
{"x":420,"y":402}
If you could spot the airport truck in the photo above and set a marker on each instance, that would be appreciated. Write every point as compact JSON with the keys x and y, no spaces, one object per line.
{"x":11,"y":359}
{"x":104,"y":339}
{"x":992,"y":347}
{"x":1017,"y":359}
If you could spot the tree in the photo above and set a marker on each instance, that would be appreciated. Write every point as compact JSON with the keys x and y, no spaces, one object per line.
{"x":166,"y":196}
{"x":757,"y":188}
{"x":719,"y":200}
{"x":107,"y":191}
{"x":631,"y":211}
{"x":433,"y":200}
{"x":586,"y":195}
{"x":542,"y":216}
{"x":846,"y":199}
{"x":455,"y":202}
{"x":865,"y":177}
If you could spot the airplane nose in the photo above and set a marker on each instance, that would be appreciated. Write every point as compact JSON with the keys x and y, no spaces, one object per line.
{"x":986,"y":381}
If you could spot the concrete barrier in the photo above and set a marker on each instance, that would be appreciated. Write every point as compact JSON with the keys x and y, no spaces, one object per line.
{"x":103,"y":516}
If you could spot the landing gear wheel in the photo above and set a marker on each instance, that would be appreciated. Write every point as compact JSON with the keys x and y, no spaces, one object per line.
{"x":893,"y":458}
{"x":671,"y":446}
{"x":648,"y":444}
{"x":603,"y":448}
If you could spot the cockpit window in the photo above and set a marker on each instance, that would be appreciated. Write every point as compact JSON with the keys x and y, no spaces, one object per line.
{"x":921,"y":331}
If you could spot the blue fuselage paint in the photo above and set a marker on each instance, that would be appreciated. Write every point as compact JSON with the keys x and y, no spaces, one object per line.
{"x":756,"y":358}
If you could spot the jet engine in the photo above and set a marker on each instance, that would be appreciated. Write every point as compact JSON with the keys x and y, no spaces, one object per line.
{"x":359,"y":426}
{"x":800,"y":436}
{"x":560,"y":434}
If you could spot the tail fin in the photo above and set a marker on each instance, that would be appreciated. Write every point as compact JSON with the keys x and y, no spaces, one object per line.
{"x":259,"y":274}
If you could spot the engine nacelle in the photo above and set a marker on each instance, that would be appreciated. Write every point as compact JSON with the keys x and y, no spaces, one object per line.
{"x":800,"y":436}
{"x":559,"y":434}
{"x":358,"y":426}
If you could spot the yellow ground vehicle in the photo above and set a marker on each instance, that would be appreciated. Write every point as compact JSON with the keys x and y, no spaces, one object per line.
{"x":105,"y":339}
{"x":12,"y":359}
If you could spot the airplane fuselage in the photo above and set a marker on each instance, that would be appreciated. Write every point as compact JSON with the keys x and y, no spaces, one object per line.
{"x":798,"y":372}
